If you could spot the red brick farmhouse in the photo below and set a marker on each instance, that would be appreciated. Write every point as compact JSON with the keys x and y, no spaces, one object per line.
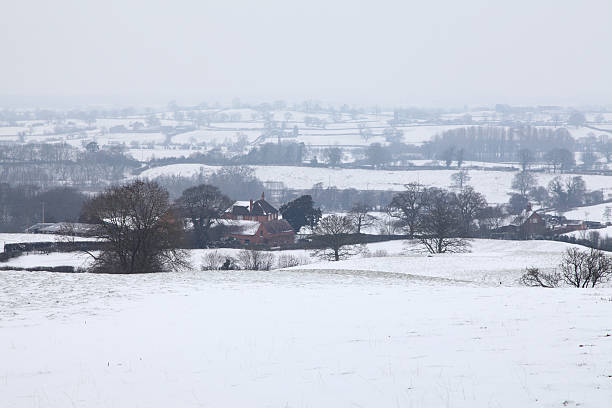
{"x":257,"y":223}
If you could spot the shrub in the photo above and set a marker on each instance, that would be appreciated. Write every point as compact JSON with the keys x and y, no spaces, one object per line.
{"x":255,"y":260}
{"x":533,"y":277}
{"x":289,"y":260}
{"x":212,"y":261}
{"x":379,"y":253}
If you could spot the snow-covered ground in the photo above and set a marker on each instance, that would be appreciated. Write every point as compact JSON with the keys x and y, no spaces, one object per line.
{"x":590,"y":213}
{"x":489,"y":262}
{"x":323,"y":338}
{"x":585,"y":234}
{"x":159,"y":153}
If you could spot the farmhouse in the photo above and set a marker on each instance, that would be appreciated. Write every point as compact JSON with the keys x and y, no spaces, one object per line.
{"x":527,"y":225}
{"x":257,"y":223}
{"x":259,"y":210}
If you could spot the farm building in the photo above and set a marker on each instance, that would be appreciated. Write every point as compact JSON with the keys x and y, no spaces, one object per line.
{"x":257,"y":223}
{"x":259,"y":210}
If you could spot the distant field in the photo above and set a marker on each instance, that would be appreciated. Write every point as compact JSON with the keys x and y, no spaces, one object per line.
{"x":495,"y":185}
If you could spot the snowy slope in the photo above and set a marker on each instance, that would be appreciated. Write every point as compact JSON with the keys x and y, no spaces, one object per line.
{"x":490,"y":262}
{"x":590,"y":213}
{"x":584,"y":234}
{"x":288,"y":339}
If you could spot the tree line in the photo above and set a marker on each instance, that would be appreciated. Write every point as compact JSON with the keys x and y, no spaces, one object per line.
{"x":49,"y":165}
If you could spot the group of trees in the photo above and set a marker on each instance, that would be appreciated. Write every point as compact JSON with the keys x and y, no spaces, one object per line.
{"x":440,"y":219}
{"x":49,"y":165}
{"x":561,"y":192}
{"x":24,"y":205}
{"x":492,"y":143}
{"x":144,"y":229}
{"x":290,"y":153}
{"x":238,"y":182}
{"x":301,"y":212}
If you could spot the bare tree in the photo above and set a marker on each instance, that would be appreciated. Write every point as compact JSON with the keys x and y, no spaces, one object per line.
{"x":361,"y":217}
{"x":460,"y":179}
{"x":141,"y":229}
{"x":523,"y":182}
{"x":333,"y":156}
{"x":470,"y":205}
{"x":448,"y":155}
{"x":460,"y":157}
{"x":333,"y":236}
{"x":533,"y":277}
{"x":607,"y":214}
{"x":525,"y":157}
{"x":408,"y":206}
{"x":202,"y":205}
{"x":582,"y":269}
{"x":440,"y":226}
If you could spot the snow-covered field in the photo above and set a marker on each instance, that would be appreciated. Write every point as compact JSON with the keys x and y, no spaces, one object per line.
{"x":584,"y":234}
{"x":590,"y":213}
{"x":495,"y":185}
{"x":320,"y":338}
{"x":489,"y":262}
{"x":159,"y":153}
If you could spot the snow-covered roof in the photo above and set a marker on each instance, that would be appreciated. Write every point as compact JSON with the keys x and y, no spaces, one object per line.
{"x":242,"y":226}
{"x":252,"y":208}
{"x":62,"y":227}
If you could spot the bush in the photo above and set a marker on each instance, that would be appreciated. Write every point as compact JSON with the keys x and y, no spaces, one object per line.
{"x":533,"y":277}
{"x":379,"y":253}
{"x":212,"y":261}
{"x":255,"y":260}
{"x":215,"y":261}
{"x":289,"y":260}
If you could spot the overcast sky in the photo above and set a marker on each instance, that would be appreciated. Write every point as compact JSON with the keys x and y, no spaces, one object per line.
{"x":385,"y":52}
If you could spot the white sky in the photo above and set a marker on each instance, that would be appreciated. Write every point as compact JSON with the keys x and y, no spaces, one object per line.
{"x":386,"y":52}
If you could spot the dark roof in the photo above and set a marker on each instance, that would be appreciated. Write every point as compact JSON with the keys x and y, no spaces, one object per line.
{"x":262,"y":207}
{"x":277,"y":226}
{"x":239,"y":210}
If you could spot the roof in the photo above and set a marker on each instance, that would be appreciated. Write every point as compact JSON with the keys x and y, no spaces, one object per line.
{"x":262,"y":207}
{"x":62,"y":228}
{"x":243,"y":227}
{"x":277,"y":226}
{"x":523,"y":217}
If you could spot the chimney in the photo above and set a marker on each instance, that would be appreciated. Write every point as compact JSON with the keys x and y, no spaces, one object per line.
{"x":250,"y":206}
{"x":262,"y":195}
